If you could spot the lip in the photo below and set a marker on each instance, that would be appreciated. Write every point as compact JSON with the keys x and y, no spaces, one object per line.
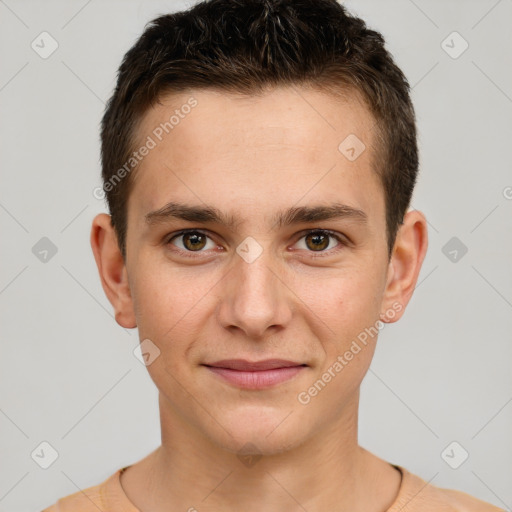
{"x":255,"y":375}
{"x":250,"y":366}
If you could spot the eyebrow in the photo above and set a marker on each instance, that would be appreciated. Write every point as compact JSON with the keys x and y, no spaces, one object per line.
{"x":291,"y":216}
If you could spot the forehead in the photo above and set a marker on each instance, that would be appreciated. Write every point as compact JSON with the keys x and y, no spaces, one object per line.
{"x":260,"y":150}
{"x":289,"y":115}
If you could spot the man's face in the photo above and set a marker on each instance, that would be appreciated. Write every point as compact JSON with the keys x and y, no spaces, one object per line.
{"x":258,"y":289}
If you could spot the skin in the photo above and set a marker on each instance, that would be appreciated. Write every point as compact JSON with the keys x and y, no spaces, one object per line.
{"x":252,"y":157}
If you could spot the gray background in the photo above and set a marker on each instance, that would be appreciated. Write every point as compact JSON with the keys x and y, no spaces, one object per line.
{"x":68,"y":372}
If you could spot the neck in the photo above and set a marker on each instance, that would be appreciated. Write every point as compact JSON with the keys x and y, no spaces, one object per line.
{"x":327,"y":471}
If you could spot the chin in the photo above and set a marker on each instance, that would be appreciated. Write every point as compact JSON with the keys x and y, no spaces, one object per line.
{"x":259,"y":431}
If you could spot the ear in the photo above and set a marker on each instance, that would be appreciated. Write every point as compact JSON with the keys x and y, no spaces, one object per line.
{"x":404,"y":266}
{"x":112,"y":270}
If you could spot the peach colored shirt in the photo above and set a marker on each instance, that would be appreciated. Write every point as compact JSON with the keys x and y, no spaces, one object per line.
{"x":414,"y":495}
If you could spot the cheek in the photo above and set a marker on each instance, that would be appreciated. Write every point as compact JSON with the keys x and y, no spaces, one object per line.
{"x":171,"y":306}
{"x":167,"y":306}
{"x":166,"y":296}
{"x":347,"y":302}
{"x":349,"y":310}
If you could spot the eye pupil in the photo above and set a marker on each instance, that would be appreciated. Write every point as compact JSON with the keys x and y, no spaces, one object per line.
{"x":195,"y":239}
{"x":316,"y":238}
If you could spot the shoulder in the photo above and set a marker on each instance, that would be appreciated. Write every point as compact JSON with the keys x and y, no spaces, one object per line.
{"x":417,"y":495}
{"x":107,"y":495}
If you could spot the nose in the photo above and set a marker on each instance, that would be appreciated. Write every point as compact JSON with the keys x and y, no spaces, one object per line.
{"x":254,"y":297}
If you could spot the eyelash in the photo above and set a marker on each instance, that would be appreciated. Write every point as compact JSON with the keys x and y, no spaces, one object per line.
{"x":191,"y":254}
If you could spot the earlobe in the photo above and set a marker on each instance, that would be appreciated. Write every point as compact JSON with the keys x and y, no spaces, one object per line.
{"x":405,"y":265}
{"x":112,"y":270}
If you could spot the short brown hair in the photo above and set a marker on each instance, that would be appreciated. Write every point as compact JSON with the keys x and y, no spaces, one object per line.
{"x":246,"y":46}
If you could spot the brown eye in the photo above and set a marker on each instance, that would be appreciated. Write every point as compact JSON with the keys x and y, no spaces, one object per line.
{"x":191,"y":241}
{"x":194,"y":241}
{"x":317,"y":241}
